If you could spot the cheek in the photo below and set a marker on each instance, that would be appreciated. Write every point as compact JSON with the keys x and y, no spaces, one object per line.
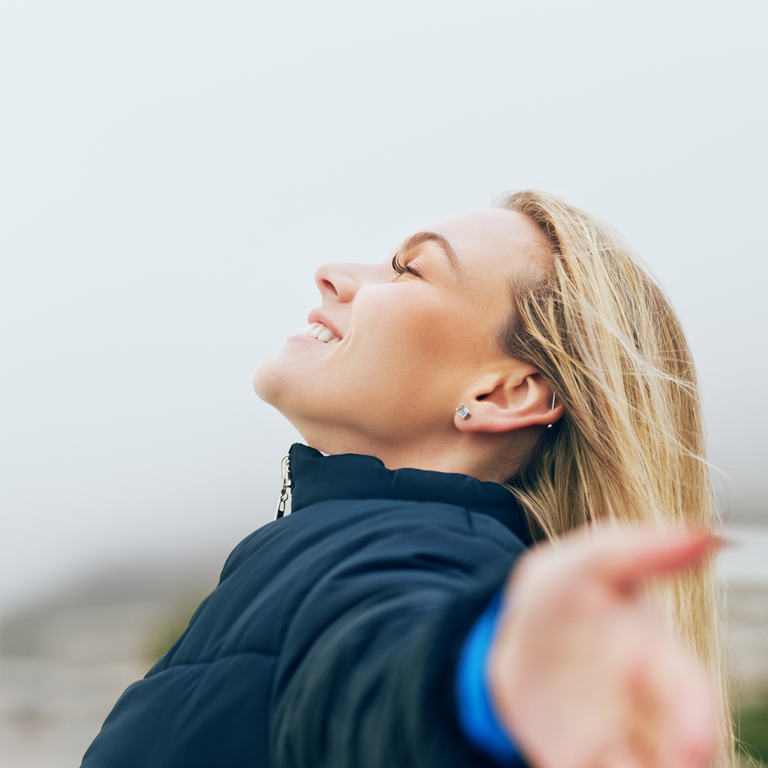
{"x":410,"y":332}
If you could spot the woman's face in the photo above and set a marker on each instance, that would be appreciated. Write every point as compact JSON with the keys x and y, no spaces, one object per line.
{"x":406,"y":344}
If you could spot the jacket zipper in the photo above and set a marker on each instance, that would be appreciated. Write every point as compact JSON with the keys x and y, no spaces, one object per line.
{"x":285,"y":491}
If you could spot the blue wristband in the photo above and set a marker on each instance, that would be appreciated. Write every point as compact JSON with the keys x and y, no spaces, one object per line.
{"x":477,"y":715}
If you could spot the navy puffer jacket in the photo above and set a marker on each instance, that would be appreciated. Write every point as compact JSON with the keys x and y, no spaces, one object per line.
{"x":332,"y":638}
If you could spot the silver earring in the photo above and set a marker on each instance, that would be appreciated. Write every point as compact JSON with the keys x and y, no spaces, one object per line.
{"x":551,"y":408}
{"x":463,"y":411}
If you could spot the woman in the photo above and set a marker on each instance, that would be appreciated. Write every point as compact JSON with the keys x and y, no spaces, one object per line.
{"x":510,"y":374}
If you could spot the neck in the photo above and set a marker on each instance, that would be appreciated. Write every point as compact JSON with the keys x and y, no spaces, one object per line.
{"x":487,"y":457}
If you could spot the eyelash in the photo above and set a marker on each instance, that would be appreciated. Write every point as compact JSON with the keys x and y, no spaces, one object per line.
{"x":401,"y":269}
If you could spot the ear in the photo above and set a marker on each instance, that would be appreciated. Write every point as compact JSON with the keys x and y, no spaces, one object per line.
{"x":507,"y":401}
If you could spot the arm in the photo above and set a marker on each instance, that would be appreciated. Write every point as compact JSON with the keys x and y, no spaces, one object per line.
{"x":375,"y":687}
{"x":581,"y":672}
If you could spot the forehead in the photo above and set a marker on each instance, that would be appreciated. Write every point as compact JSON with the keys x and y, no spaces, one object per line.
{"x":493,"y":236}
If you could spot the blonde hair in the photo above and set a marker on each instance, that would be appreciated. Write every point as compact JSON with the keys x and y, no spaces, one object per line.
{"x":630,"y":445}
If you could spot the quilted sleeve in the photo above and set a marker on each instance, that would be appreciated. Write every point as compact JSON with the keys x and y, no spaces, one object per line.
{"x":369,"y":669}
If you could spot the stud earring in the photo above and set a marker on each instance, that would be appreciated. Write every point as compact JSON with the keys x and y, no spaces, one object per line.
{"x":463,"y":411}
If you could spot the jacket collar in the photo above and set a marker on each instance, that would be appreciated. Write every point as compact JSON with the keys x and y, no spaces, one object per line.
{"x":316,"y":478}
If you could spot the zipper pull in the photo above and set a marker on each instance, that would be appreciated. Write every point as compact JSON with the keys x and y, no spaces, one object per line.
{"x":285,"y":491}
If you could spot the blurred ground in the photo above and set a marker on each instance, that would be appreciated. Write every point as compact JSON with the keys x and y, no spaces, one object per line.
{"x":64,"y":661}
{"x":744,"y":570}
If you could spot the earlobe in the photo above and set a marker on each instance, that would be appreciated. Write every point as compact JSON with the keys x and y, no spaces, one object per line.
{"x":463,"y":411}
{"x":506,"y":403}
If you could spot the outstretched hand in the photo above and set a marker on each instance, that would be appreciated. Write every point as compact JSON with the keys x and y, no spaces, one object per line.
{"x":583,"y":672}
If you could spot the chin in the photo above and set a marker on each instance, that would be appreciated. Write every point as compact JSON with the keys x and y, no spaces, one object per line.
{"x":267,"y":381}
{"x":277,"y":383}
{"x":272,"y":384}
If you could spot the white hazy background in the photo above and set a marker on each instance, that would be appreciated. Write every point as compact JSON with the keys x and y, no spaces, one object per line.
{"x":172,"y":173}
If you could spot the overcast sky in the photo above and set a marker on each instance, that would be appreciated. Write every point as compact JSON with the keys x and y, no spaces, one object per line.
{"x":172,"y":173}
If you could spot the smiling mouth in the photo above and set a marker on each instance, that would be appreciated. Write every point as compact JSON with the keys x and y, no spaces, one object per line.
{"x":321,"y":333}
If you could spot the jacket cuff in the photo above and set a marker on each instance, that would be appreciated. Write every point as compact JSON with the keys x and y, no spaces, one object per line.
{"x":477,"y":715}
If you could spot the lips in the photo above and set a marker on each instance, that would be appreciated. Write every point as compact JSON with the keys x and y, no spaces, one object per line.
{"x":321,"y":332}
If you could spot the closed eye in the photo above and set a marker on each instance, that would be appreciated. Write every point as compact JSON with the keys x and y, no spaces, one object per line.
{"x":401,"y":267}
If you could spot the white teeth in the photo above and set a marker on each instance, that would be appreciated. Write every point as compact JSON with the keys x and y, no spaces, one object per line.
{"x":321,"y":333}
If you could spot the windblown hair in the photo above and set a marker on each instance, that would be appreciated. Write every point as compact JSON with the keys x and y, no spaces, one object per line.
{"x":630,"y":444}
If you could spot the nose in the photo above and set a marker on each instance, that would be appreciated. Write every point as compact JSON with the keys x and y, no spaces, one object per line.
{"x":338,"y":281}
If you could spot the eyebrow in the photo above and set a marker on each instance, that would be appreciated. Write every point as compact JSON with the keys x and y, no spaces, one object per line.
{"x":414,"y":241}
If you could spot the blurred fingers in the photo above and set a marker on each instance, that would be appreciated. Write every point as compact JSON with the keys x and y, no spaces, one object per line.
{"x":674,"y":720}
{"x":622,"y":557}
{"x":630,"y":556}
